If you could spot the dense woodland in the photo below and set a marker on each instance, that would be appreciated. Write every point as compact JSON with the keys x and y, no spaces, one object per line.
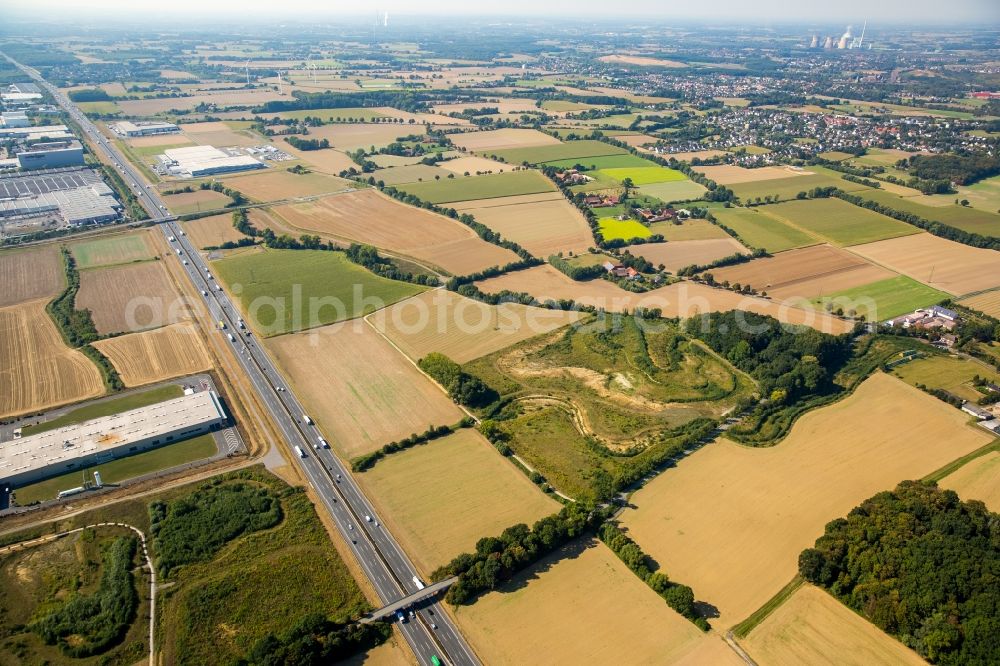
{"x":961,"y":169}
{"x":314,"y":641}
{"x":920,"y":564}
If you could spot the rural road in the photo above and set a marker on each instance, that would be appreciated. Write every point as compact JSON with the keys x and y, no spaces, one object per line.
{"x":378,"y":553}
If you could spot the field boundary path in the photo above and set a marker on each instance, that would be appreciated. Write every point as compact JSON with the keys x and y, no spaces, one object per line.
{"x":30,"y":543}
{"x":738,"y":649}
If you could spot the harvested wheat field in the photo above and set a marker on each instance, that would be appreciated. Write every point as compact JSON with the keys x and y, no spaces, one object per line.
{"x":811,"y":627}
{"x":937,"y":262}
{"x":367,"y":216}
{"x":730,"y":174}
{"x":461,"y":328}
{"x":152,"y":356}
{"x":127,"y":298}
{"x":360,"y":391}
{"x":696,"y":154}
{"x":678,"y":254}
{"x":978,"y":479}
{"x":474,"y":165}
{"x":363,"y":135}
{"x":215,"y":230}
{"x":157,"y":140}
{"x":543,"y":227}
{"x":641,"y":61}
{"x":275,"y":184}
{"x":693,"y":520}
{"x":219,"y":134}
{"x":26,"y":275}
{"x":153,"y":105}
{"x":988,"y":302}
{"x":681,"y":299}
{"x":604,"y":612}
{"x":502,"y":139}
{"x":37,"y":370}
{"x":476,"y":493}
{"x":805,"y":273}
{"x":327,"y":160}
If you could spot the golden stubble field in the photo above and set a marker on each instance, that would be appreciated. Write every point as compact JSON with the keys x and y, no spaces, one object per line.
{"x":152,"y":356}
{"x":977,"y":479}
{"x":988,"y":302}
{"x":583,"y":606}
{"x":730,"y":521}
{"x":546,"y":224}
{"x":811,"y":627}
{"x":682,"y":299}
{"x":805,"y":273}
{"x":277,"y":184}
{"x":502,"y":139}
{"x":360,"y":391}
{"x":442,"y":497}
{"x":215,"y":230}
{"x":30,"y":274}
{"x":937,"y":262}
{"x":678,"y":254}
{"x":729,"y":174}
{"x":37,"y":370}
{"x":367,"y":216}
{"x":460,"y":328}
{"x":128,"y":298}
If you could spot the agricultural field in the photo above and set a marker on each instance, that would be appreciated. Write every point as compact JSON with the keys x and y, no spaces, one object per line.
{"x":409,"y":174}
{"x":788,"y":188}
{"x":473,"y":165}
{"x":812,"y":627}
{"x":543,"y":224}
{"x":277,"y":184}
{"x":978,"y":479}
{"x":281,"y":291}
{"x":194,"y":202}
{"x":611,"y":614}
{"x":984,"y":195}
{"x":112,"y":250}
{"x":143,"y":358}
{"x":128,"y":297}
{"x":953,"y":374}
{"x":475,"y":493}
{"x":688,"y":230}
{"x":152,"y":106}
{"x":37,"y":369}
{"x":220,"y":134}
{"x":839,"y":222}
{"x":886,"y":157}
{"x":612,"y":228}
{"x":758,"y":229}
{"x":973,"y":220}
{"x":694,"y":522}
{"x":363,"y":135}
{"x":644,"y":175}
{"x":460,"y":328}
{"x":624,"y":160}
{"x":988,"y":302}
{"x":939,"y":263}
{"x":30,"y":274}
{"x":884,"y":299}
{"x":677,"y":254}
{"x":379,"y":396}
{"x":641,"y":61}
{"x":683,"y":299}
{"x":215,"y":230}
{"x":461,"y":188}
{"x":805,"y":273}
{"x":495,"y":140}
{"x":558,"y":152}
{"x":730,"y":174}
{"x":396,"y":227}
{"x":678,"y":190}
{"x":330,"y":115}
{"x":326,"y":160}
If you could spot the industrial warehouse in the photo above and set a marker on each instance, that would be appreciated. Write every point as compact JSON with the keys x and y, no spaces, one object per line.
{"x":128,"y":128}
{"x":195,"y":161}
{"x":63,"y":196}
{"x":36,"y":457}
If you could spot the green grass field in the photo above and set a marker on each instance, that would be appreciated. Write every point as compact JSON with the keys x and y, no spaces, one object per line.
{"x":117,"y":249}
{"x":951,"y":373}
{"x":461,"y":188}
{"x":788,"y":188}
{"x":123,"y":469}
{"x":645,"y":175}
{"x":615,"y":229}
{"x":678,"y":190}
{"x":108,"y":407}
{"x":961,"y":217}
{"x":603,"y":162}
{"x":893,"y":297}
{"x":281,"y":291}
{"x":99,"y":108}
{"x":693,"y":229}
{"x":839,"y":222}
{"x":835,"y":156}
{"x":760,"y":230}
{"x":568,"y":150}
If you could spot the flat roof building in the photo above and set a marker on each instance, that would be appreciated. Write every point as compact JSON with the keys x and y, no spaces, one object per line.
{"x":195,"y":161}
{"x":128,"y":128}
{"x":73,"y":447}
{"x":15,"y":132}
{"x":15,"y":119}
{"x":50,"y":155}
{"x":20,"y":99}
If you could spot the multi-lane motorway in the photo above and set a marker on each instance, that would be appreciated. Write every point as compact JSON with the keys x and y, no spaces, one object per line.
{"x":429,"y":631}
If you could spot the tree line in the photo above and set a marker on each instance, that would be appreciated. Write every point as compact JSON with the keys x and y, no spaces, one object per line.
{"x":463,"y":388}
{"x":316,"y":641}
{"x":367,"y":461}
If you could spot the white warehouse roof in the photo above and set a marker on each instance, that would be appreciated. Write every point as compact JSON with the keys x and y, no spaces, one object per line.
{"x":206,"y":160}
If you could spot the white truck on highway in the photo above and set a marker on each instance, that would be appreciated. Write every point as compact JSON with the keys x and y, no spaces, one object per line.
{"x":231,"y":338}
{"x":418,"y":583}
{"x":305,"y":417}
{"x":299,"y":452}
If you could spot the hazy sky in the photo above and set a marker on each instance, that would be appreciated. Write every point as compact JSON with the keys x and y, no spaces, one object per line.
{"x":837,"y":11}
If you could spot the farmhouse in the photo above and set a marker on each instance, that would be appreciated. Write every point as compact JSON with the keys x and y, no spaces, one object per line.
{"x":130,"y":129}
{"x":651,"y":216}
{"x":977,"y":411}
{"x":620,"y":271}
{"x":601,"y":200}
{"x":932,"y":317}
{"x":35,"y":457}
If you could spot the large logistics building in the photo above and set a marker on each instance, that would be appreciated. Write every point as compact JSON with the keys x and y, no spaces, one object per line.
{"x":51,"y":155}
{"x":128,"y":128}
{"x":195,"y":161}
{"x":74,"y":447}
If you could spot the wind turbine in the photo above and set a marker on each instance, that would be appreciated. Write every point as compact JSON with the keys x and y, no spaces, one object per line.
{"x":280,"y":88}
{"x":247,"y":66}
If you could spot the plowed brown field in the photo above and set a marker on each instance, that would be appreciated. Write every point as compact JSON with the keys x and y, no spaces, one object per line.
{"x":131,"y":297}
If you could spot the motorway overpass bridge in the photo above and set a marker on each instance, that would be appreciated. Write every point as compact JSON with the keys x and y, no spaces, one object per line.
{"x":409,"y":600}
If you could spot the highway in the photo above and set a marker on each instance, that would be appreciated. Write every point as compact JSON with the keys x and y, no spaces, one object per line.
{"x":385,"y":564}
